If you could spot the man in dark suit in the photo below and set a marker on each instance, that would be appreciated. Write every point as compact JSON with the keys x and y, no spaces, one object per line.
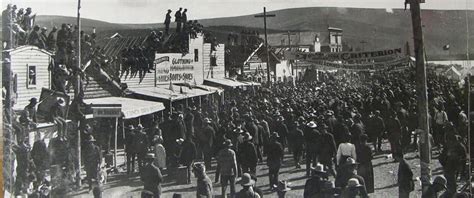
{"x":151,"y":176}
{"x":405,"y":179}
{"x":178,"y":19}
{"x":167,"y":22}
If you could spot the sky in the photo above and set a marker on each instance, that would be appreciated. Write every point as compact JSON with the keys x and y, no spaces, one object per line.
{"x":153,"y":11}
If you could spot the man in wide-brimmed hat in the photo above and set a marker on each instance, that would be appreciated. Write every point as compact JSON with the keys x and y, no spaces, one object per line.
{"x":130,"y":149}
{"x":247,"y":155}
{"x":92,"y":160}
{"x":312,"y":137}
{"x":140,"y":144}
{"x":247,"y":187}
{"x":349,"y":171}
{"x":354,"y":189}
{"x":227,"y":167}
{"x":275,"y":153}
{"x":296,"y":136}
{"x":282,"y":130}
{"x":151,"y":176}
{"x":205,"y":138}
{"x":327,"y":151}
{"x":314,"y":184}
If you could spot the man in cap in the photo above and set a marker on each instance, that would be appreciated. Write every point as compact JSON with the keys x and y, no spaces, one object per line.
{"x":206,"y":138}
{"x":151,"y":176}
{"x":274,"y":159}
{"x":297,"y":136}
{"x":227,"y":164}
{"x":44,"y":37}
{"x":187,"y":156}
{"x":247,"y":187}
{"x":204,"y":184}
{"x":51,"y":39}
{"x":130,"y":149}
{"x":438,"y":185}
{"x":35,"y":38}
{"x":247,"y":155}
{"x":92,"y":156}
{"x":167,"y":22}
{"x":377,"y":130}
{"x":140,"y":145}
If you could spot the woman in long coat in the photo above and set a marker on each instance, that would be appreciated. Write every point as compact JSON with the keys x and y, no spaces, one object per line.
{"x":364,"y":157}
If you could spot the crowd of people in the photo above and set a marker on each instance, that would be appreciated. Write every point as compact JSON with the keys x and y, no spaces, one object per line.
{"x":334,"y":127}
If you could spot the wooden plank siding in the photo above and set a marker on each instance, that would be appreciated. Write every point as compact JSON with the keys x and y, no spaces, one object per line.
{"x":20,"y":60}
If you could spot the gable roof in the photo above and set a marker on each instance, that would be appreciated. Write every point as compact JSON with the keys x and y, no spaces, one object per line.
{"x":27,"y":47}
{"x":260,"y":52}
{"x":115,"y":45}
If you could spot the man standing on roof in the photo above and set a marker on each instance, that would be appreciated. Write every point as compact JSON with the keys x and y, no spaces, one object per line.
{"x":167,"y":22}
{"x":178,"y":19}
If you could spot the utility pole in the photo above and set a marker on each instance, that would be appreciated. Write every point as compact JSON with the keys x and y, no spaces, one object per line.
{"x":78,"y":89}
{"x":265,"y":15}
{"x":421,"y":87}
{"x":289,"y":46}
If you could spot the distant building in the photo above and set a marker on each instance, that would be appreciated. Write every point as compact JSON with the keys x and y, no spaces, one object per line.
{"x":334,"y":41}
{"x":303,"y":41}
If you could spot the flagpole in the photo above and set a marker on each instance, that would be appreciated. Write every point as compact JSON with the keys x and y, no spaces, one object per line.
{"x":78,"y":89}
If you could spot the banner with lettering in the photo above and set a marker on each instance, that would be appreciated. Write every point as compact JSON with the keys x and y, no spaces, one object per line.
{"x":392,"y":64}
{"x":342,"y":56}
{"x":177,"y":69}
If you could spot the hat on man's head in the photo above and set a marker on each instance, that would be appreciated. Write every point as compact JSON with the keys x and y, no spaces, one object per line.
{"x":318,"y":169}
{"x":312,"y":125}
{"x":351,"y":161}
{"x":207,"y":120}
{"x":440,"y":180}
{"x":179,"y":140}
{"x":199,"y":167}
{"x":247,"y":136}
{"x":353,"y":182}
{"x":60,"y":101}
{"x":246,"y":180}
{"x":150,"y":156}
{"x":228,"y":143}
{"x":140,"y":127}
{"x":34,"y":100}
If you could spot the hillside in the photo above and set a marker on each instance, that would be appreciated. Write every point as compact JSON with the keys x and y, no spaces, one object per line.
{"x":379,"y":28}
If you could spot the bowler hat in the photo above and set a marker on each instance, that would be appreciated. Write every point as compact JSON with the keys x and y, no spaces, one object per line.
{"x":318,"y":169}
{"x":353,"y":182}
{"x":228,"y":143}
{"x":312,"y":124}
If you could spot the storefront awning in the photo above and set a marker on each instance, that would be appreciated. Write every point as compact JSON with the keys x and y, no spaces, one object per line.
{"x":224,"y":82}
{"x":131,"y":108}
{"x":211,"y":88}
{"x":164,"y":92}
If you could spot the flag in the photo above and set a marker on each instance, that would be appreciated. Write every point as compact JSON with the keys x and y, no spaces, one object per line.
{"x":446,"y":47}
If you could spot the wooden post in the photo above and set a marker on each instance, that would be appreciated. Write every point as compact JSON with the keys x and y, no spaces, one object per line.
{"x":78,"y":89}
{"x":265,"y":15}
{"x":115,"y":145}
{"x":421,"y":87}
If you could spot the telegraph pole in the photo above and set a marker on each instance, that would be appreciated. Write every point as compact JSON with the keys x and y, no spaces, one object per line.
{"x":421,"y":87}
{"x":78,"y":89}
{"x":289,"y":46}
{"x":265,"y":15}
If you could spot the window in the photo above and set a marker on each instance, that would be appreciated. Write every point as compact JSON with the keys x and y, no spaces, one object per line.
{"x":196,"y":55}
{"x":31,"y":78}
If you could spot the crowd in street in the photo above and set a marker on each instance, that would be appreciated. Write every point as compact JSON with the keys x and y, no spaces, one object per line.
{"x":334,"y":127}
